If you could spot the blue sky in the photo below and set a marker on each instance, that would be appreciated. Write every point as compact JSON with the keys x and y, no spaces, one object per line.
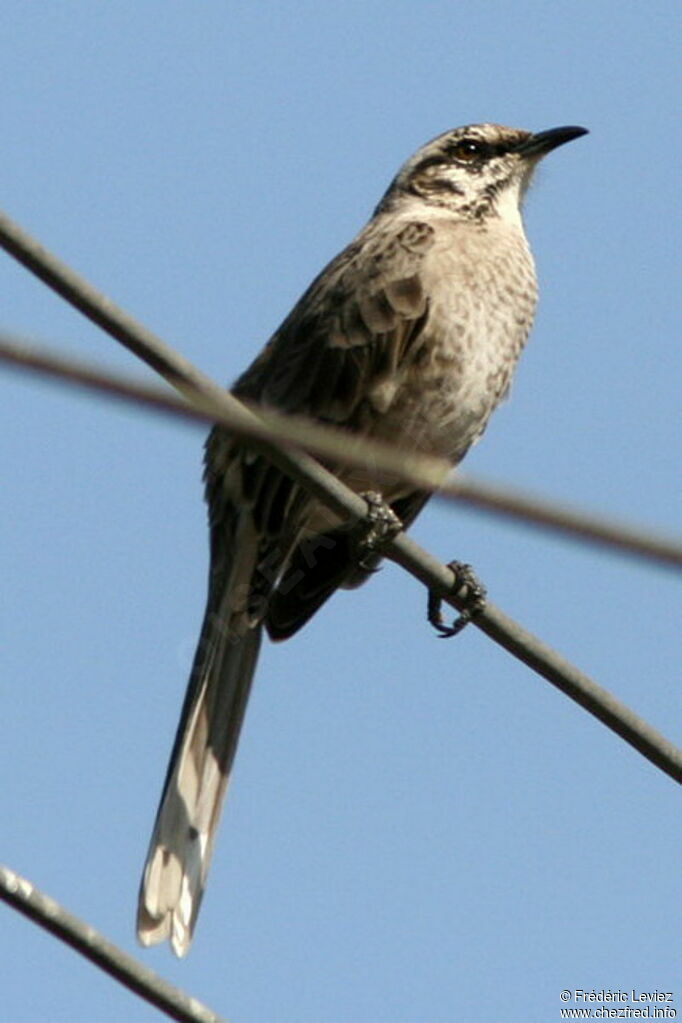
{"x":416,"y":830}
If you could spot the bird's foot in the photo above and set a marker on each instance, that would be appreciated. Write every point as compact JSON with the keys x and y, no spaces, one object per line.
{"x":469,"y":589}
{"x":377,"y":529}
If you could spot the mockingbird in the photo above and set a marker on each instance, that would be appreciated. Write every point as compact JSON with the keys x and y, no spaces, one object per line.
{"x":410,"y":335}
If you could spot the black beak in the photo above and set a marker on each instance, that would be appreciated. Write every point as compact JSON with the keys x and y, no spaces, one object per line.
{"x":544,"y":141}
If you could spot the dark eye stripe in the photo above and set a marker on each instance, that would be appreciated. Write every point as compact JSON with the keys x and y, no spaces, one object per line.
{"x":466,"y":151}
{"x":470,"y":149}
{"x":430,"y":161}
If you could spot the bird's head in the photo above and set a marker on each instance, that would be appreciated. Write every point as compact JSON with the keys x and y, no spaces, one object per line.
{"x":477,"y":171}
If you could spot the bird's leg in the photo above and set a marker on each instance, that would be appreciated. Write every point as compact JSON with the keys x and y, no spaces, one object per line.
{"x":378,"y":528}
{"x":469,"y":589}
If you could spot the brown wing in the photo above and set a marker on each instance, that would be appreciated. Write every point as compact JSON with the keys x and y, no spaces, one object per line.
{"x":355,"y":327}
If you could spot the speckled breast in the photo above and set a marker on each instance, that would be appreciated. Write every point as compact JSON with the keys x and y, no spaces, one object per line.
{"x":482,"y":296}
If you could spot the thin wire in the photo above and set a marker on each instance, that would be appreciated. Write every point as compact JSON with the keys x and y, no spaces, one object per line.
{"x":23,"y":896}
{"x":216,"y":402}
{"x":330,"y":443}
{"x":180,"y":374}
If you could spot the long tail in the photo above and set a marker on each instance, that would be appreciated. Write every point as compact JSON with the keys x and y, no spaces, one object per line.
{"x":182,"y":841}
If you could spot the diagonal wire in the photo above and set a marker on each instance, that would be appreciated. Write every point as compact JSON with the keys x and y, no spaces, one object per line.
{"x":216,"y":402}
{"x":23,"y":896}
{"x":329,"y":442}
{"x":203,"y":392}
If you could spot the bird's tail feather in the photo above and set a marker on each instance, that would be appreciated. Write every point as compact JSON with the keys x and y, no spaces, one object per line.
{"x":184,"y":832}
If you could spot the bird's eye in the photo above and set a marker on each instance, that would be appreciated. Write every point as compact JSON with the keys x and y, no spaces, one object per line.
{"x":468,"y":150}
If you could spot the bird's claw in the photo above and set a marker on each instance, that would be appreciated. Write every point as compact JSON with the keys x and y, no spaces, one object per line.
{"x":469,"y":589}
{"x":378,"y":528}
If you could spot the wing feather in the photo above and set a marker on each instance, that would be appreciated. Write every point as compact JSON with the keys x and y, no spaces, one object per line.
{"x":336,"y":358}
